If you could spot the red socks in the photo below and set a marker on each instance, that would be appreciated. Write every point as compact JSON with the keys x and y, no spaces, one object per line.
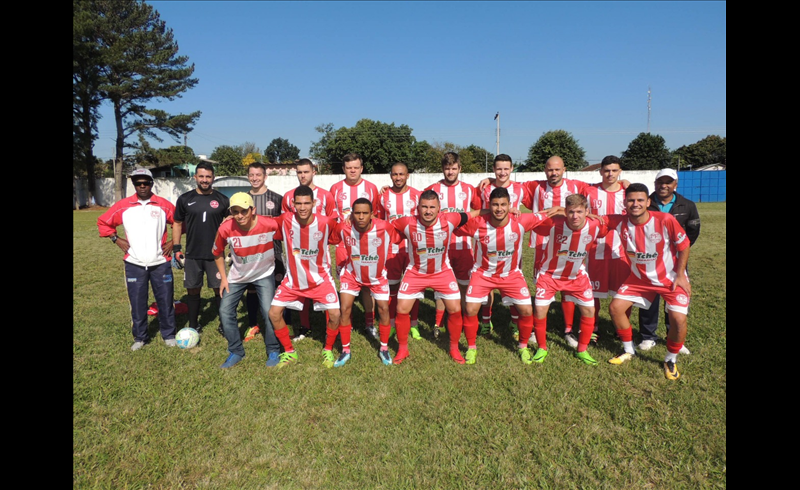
{"x":674,"y":347}
{"x":439,"y":316}
{"x":525,"y":328}
{"x":585,"y":335}
{"x":284,"y":339}
{"x":471,"y":329}
{"x":540,"y":329}
{"x":344,"y":331}
{"x":568,"y":308}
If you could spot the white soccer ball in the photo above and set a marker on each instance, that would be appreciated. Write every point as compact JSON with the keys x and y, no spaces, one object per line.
{"x":187,"y":338}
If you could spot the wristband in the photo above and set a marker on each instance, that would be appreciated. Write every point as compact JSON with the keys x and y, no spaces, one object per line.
{"x":114,"y":238}
{"x":176,"y":248}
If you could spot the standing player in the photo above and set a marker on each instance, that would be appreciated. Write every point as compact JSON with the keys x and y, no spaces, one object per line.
{"x":308,"y":272}
{"x":429,"y":234}
{"x":658,"y":248}
{"x":455,"y":197}
{"x":203,"y":210}
{"x":503,"y":167}
{"x":607,"y":263}
{"x":324,"y":206}
{"x":498,"y":244}
{"x":251,"y":239}
{"x":562,"y":268}
{"x":368,"y":244}
{"x":345,"y":192}
{"x":399,"y":200}
{"x":144,"y":217}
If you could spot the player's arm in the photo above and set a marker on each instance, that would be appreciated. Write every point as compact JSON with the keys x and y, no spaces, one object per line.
{"x":693,"y":224}
{"x":680,"y":269}
{"x":483,"y":183}
{"x":223,"y":285}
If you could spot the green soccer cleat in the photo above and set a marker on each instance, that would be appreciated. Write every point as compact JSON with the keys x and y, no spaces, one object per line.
{"x":472,"y":356}
{"x":415,"y":333}
{"x":525,"y":355}
{"x":586,"y":358}
{"x":328,"y":358}
{"x":287,"y":358}
{"x":540,"y":355}
{"x":486,"y":328}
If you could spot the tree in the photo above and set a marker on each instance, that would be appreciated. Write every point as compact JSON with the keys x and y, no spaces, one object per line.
{"x":710,"y":150}
{"x":379,"y":144}
{"x":551,"y":143}
{"x":480,"y":159}
{"x":280,"y":150}
{"x":231,"y":159}
{"x":646,"y":152}
{"x":139,"y":63}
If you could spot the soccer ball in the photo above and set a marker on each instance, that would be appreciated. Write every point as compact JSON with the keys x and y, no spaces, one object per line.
{"x":187,"y":338}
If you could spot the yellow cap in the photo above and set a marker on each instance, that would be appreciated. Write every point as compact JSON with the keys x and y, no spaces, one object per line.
{"x":242,"y":200}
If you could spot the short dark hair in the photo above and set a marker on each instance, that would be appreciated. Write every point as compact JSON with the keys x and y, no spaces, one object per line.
{"x":610,"y":160}
{"x":304,"y":190}
{"x":258,"y":165}
{"x":304,"y":161}
{"x":396,"y":164}
{"x":503,"y":158}
{"x":499,"y":192}
{"x":637,"y":187}
{"x":205,"y":166}
{"x":362,"y":200}
{"x":352,"y":156}
{"x":429,"y":194}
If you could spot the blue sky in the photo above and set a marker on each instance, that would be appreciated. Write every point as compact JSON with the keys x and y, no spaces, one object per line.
{"x":279,"y":69}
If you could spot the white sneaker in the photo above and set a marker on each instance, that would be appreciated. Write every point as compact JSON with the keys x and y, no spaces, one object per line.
{"x":532,"y":340}
{"x":137,"y":345}
{"x":684,"y":351}
{"x":171,"y":343}
{"x":571,"y":340}
{"x":373,"y":331}
{"x":646,"y":345}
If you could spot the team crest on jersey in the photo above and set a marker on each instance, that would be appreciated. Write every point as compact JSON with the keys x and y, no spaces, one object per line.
{"x":330,"y":297}
{"x":317,"y":202}
{"x":586,"y":239}
{"x":262,"y":238}
{"x":317,"y":236}
{"x":587,"y":294}
{"x":214,"y":204}
{"x":377,"y":242}
{"x":524,"y":292}
{"x":154,"y":213}
{"x":682,"y":299}
{"x":462,"y":195}
{"x":440,"y":235}
{"x":453,"y":286}
{"x":654,"y":237}
{"x":343,"y":196}
{"x":410,"y":204}
{"x":365,"y":195}
{"x":270,"y":205}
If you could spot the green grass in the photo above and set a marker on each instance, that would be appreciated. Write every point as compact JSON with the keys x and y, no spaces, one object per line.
{"x":167,"y":418}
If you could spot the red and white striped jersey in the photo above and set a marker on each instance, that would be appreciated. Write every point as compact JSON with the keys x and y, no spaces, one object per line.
{"x":306,"y":257}
{"x":252,"y":251}
{"x":457,"y":198}
{"x":344,"y":195}
{"x":602,"y":203}
{"x":367,"y":252}
{"x":323,"y":202}
{"x":427,"y":245}
{"x":392,"y":206}
{"x":516,"y":193}
{"x":653,"y":246}
{"x":540,"y":196}
{"x":565,"y":250}
{"x":499,"y":250}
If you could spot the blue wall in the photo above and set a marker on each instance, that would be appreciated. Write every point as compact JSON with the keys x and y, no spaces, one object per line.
{"x":703,"y":185}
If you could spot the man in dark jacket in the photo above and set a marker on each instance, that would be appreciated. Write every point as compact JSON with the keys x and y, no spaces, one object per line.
{"x":666,"y":200}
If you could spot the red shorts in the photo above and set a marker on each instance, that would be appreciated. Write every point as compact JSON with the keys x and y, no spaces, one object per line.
{"x":578,"y":290}
{"x":513,"y":288}
{"x":323,"y":295}
{"x":348,"y":284}
{"x":396,"y":265}
{"x":607,"y":275}
{"x":462,"y":262}
{"x":443,"y":283}
{"x":642,"y":294}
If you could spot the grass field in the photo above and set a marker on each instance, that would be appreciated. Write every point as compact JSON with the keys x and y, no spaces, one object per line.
{"x":166,"y":418}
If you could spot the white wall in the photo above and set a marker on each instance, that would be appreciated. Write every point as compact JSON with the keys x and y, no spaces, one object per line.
{"x":171,"y":188}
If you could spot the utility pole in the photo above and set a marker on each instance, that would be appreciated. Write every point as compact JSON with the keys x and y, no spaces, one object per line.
{"x":648,"y":109}
{"x":497,"y":118}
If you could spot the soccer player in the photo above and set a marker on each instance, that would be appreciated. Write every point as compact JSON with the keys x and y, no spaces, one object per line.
{"x":368,"y":243}
{"x":267,"y":203}
{"x":498,"y":244}
{"x":607,"y":263}
{"x":144,"y":217}
{"x":562,"y":269}
{"x":503,"y":166}
{"x":658,"y":248}
{"x":345,"y":192}
{"x":202,"y":209}
{"x":397,"y":201}
{"x":429,"y":234}
{"x":455,"y":197}
{"x":308,"y":272}
{"x":324,"y":206}
{"x":251,"y":239}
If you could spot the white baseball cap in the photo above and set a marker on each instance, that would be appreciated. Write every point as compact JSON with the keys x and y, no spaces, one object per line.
{"x":667,"y":172}
{"x":141,"y":172}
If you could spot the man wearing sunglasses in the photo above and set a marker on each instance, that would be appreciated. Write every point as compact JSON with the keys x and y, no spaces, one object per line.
{"x":145,"y":217}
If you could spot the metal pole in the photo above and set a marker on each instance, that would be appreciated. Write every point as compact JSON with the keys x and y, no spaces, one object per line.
{"x":498,"y":133}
